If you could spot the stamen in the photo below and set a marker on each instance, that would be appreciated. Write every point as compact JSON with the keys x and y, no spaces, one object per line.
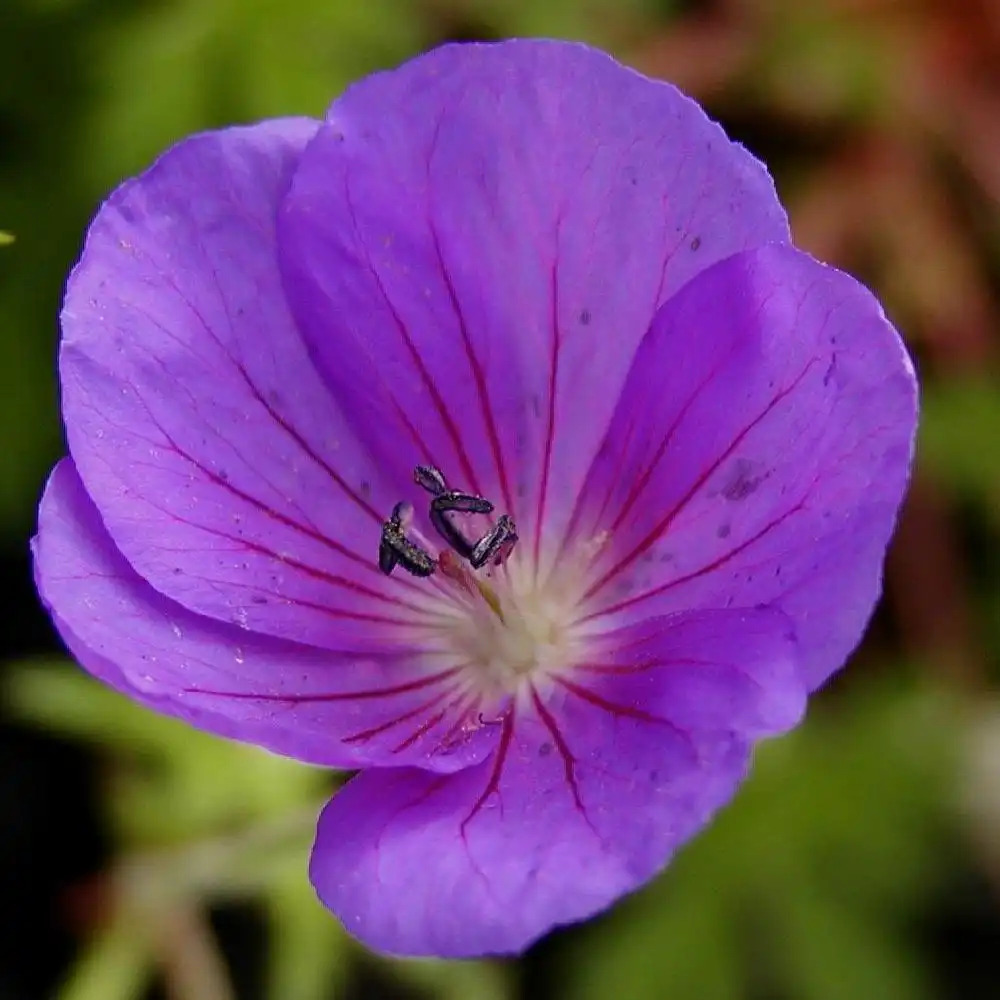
{"x":430,"y":478}
{"x":491,"y":599}
{"x":447,"y":502}
{"x":461,"y":503}
{"x":470,"y":583}
{"x":488,"y":613}
{"x":495,"y":546}
{"x":396,"y":549}
{"x":443,"y":505}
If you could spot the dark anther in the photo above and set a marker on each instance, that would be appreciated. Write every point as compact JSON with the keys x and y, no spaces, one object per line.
{"x":496,"y":545}
{"x":447,"y":502}
{"x":396,"y":549}
{"x":430,"y":479}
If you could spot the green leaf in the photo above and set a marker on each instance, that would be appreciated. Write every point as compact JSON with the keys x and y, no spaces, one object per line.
{"x":834,"y":951}
{"x":595,"y":21}
{"x":43,"y":80}
{"x":308,"y":952}
{"x":450,"y":980}
{"x":824,"y":66}
{"x":958,"y":435}
{"x":837,"y":835}
{"x":209,"y":65}
{"x":115,"y":965}
{"x":661,"y":951}
{"x":170,"y":782}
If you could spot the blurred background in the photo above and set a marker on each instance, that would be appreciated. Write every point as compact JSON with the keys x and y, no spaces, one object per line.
{"x":139,"y":859}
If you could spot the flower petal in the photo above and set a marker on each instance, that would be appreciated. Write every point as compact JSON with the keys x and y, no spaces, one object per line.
{"x":217,"y":458}
{"x":476,"y":243}
{"x":759,"y":455}
{"x":595,"y":784}
{"x":337,"y":709}
{"x":418,"y":865}
{"x":732,"y":670}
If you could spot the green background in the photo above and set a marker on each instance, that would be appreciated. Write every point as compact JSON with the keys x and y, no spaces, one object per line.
{"x":862,"y":860}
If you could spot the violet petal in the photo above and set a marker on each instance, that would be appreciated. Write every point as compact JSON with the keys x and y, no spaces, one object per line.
{"x":222,"y":466}
{"x":476,"y":242}
{"x":589,"y":794}
{"x":335,"y":708}
{"x":759,"y":454}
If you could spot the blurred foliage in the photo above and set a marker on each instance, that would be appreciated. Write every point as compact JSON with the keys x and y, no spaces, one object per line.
{"x":961,"y":423}
{"x":200,"y":822}
{"x":803,"y":886}
{"x":881,"y":122}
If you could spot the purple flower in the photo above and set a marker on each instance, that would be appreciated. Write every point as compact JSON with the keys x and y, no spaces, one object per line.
{"x":555,"y":287}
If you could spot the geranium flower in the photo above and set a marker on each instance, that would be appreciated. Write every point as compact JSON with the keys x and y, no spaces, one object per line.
{"x":490,"y":438}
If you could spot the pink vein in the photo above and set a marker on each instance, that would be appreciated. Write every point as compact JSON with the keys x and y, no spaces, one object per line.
{"x":365,"y":695}
{"x":702,"y":571}
{"x":439,"y":404}
{"x":618,"y":710}
{"x":618,"y":669}
{"x":252,"y":386}
{"x":642,"y":480}
{"x":679,"y":507}
{"x":569,"y":761}
{"x":478,"y":376}
{"x":323,"y":576}
{"x":367,"y":734}
{"x":554,"y":346}
{"x":307,"y":448}
{"x":253,"y":501}
{"x":493,"y":784}
{"x":463,"y":713}
{"x":291,"y":431}
{"x":434,"y":720}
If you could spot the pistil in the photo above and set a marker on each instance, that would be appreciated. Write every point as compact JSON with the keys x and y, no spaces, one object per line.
{"x":454,"y":570}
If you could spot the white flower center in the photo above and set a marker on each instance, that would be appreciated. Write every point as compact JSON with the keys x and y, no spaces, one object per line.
{"x":509,"y":628}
